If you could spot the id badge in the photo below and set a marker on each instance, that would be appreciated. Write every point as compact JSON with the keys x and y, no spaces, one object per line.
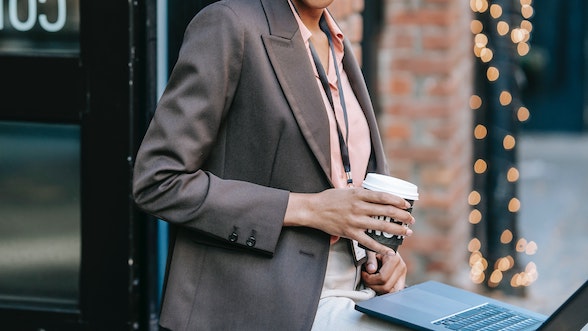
{"x":359,"y":254}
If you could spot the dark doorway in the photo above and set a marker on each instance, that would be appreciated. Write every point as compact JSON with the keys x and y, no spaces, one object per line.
{"x":555,"y":68}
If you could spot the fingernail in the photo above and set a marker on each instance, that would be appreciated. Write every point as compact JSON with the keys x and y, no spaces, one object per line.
{"x":408,"y":232}
{"x":390,"y":253}
{"x":412,"y":221}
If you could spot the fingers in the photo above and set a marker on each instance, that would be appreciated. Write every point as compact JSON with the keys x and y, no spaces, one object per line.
{"x":371,"y":265}
{"x":374,"y":246}
{"x":383,"y":204}
{"x":399,"y":285}
{"x":382,"y":229}
{"x":387,"y":226}
{"x":349,"y":213}
{"x":397,"y":281}
{"x":391,"y":276}
{"x":386,"y":199}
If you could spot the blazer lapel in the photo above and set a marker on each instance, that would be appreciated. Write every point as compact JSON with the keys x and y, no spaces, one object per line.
{"x":289,"y":58}
{"x":378,"y":161}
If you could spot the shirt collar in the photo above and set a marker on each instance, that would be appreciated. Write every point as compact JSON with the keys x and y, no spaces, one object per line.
{"x":336,"y":33}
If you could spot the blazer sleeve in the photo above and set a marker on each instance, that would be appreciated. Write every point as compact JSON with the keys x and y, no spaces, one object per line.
{"x":169,"y":181}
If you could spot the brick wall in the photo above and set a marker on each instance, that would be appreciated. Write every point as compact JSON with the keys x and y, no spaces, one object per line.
{"x":424,"y":86}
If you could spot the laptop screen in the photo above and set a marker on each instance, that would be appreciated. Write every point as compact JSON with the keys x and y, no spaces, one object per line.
{"x":572,"y":315}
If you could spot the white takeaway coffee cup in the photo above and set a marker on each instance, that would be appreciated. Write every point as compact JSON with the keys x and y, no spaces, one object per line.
{"x":406,"y":190}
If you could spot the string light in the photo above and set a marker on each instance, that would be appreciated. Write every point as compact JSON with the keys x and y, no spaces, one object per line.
{"x":531,"y":248}
{"x":526,"y":25}
{"x":523,"y":49}
{"x":480,"y":166}
{"x":523,"y":114}
{"x":474,"y":245}
{"x":480,"y":132}
{"x":504,"y":264}
{"x":521,"y":245}
{"x":479,"y":5}
{"x":485,"y":52}
{"x":495,"y":11}
{"x":506,"y":236}
{"x":512,"y":175}
{"x":475,"y":102}
{"x":486,"y":55}
{"x":508,"y":142}
{"x":474,"y":198}
{"x":514,"y":205}
{"x":526,"y":11}
{"x":475,"y":216}
{"x":492,"y":74}
{"x":476,"y":26}
{"x":505,"y":98}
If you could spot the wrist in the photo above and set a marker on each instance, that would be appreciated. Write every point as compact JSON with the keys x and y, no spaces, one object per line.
{"x":298,"y":210}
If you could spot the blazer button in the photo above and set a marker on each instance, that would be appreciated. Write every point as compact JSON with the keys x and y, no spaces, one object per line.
{"x":250,"y":241}
{"x":233,"y":237}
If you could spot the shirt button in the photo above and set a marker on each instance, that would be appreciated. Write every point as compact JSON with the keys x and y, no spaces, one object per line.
{"x":250,"y":241}
{"x":233,"y":237}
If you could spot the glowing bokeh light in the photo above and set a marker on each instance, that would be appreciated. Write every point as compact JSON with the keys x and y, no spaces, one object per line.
{"x":475,"y":216}
{"x":523,"y":49}
{"x":502,"y":27}
{"x":481,"y":40}
{"x":527,"y":11}
{"x":523,"y":114}
{"x":476,"y":26}
{"x":517,"y":35}
{"x":480,"y":131}
{"x":486,"y":55}
{"x":495,"y":11}
{"x":531,"y":248}
{"x":512,"y":175}
{"x":521,"y":245}
{"x":527,"y":25}
{"x":480,"y":166}
{"x":492,"y":73}
{"x":474,"y":245}
{"x":514,"y":205}
{"x":508,"y":142}
{"x":505,"y":98}
{"x":475,"y":102}
{"x":506,"y":236}
{"x":474,"y":198}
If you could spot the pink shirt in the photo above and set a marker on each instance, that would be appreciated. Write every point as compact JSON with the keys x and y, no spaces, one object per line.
{"x":359,"y":143}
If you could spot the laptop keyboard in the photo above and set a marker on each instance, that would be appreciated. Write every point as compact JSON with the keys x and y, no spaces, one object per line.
{"x":487,"y":317}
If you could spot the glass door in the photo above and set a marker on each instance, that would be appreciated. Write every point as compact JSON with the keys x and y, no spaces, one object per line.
{"x":72,"y":245}
{"x":40,"y":212}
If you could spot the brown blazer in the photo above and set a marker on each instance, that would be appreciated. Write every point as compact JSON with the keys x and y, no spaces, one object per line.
{"x":240,"y":125}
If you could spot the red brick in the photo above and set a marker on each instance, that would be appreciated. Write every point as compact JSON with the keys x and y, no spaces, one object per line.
{"x":402,"y":84}
{"x":424,"y":17}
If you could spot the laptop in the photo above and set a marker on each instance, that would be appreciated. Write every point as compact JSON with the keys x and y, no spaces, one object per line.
{"x":436,"y":306}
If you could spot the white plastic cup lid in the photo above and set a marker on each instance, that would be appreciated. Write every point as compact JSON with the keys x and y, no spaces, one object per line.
{"x":392,"y":185}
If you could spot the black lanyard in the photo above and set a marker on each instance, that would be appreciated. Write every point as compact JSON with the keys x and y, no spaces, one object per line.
{"x":325,"y":83}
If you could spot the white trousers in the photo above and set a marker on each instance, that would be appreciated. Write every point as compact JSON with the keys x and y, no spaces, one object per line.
{"x":341,"y":290}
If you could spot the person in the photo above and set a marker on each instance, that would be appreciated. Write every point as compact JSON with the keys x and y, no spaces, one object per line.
{"x":257,"y":166}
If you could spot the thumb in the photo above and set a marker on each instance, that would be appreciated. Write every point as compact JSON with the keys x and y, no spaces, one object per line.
{"x":371,"y":265}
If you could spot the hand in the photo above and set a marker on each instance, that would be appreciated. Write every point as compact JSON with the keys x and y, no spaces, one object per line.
{"x":390,"y":277}
{"x":348,"y":213}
